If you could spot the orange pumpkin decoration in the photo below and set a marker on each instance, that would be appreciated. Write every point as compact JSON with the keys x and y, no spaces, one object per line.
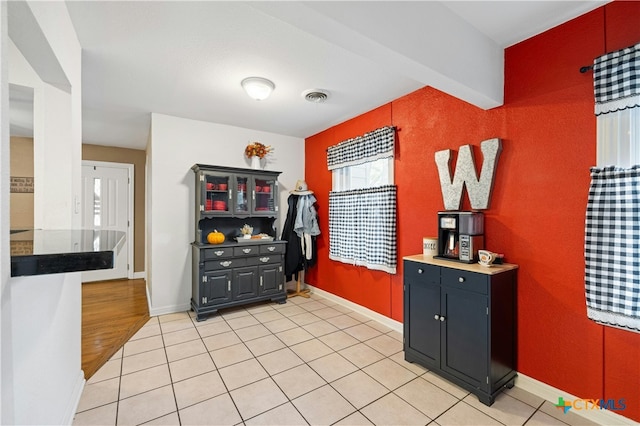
{"x":215,"y":237}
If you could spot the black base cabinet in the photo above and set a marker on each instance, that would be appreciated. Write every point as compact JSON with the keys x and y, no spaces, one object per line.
{"x":236,"y":274}
{"x":460,"y":322}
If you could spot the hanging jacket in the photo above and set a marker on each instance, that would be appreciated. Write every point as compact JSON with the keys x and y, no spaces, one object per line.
{"x":293,"y":257}
{"x":306,"y":217}
{"x":296,"y":259}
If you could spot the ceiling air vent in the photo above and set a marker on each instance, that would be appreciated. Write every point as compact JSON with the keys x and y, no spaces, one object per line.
{"x":317,"y":96}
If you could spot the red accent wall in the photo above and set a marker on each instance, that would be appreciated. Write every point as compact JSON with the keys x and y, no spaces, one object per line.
{"x":538,"y":205}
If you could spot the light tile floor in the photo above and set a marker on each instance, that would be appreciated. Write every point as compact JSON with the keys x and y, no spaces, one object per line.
{"x":309,"y":361}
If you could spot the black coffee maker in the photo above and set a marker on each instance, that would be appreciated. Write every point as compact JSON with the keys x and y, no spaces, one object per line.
{"x":460,"y":235}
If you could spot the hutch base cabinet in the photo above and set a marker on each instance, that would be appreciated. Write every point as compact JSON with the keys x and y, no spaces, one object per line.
{"x":238,"y":271}
{"x":460,"y":322}
{"x":228,"y":275}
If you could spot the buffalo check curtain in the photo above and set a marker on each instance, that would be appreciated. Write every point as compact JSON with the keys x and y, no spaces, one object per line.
{"x":616,"y":80}
{"x":362,"y":222}
{"x":371,"y":146}
{"x":362,"y":227}
{"x":612,"y":247}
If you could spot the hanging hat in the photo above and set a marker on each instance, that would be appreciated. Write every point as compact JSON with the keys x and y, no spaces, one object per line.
{"x":301,"y":188}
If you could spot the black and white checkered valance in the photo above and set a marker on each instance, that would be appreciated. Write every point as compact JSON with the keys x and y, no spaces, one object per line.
{"x":612,"y":247}
{"x":362,"y":227}
{"x":616,"y":80}
{"x":371,"y":146}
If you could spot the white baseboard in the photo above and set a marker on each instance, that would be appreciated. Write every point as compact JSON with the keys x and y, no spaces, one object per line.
{"x":148,"y":297}
{"x":551,"y":394}
{"x":164,"y":310}
{"x":74,"y":401}
{"x":139,"y":275}
{"x":384,"y":320}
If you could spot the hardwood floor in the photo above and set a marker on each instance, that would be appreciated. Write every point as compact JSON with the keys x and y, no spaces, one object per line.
{"x":112,"y":312}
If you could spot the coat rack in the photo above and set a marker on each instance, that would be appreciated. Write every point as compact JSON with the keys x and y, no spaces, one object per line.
{"x":309,"y":227}
{"x":298,"y":292}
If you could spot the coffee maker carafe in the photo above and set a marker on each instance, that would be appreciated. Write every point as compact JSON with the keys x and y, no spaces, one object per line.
{"x":460,"y":235}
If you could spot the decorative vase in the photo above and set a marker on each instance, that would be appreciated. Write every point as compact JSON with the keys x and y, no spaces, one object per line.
{"x":255,"y":162}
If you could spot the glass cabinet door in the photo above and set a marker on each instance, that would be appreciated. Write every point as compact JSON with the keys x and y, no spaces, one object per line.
{"x":217,"y":193}
{"x":264,"y":195}
{"x":242,"y":195}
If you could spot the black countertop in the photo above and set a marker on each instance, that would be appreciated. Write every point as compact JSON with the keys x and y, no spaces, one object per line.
{"x":40,"y":251}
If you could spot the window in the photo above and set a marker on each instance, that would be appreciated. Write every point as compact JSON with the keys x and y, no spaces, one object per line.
{"x":612,"y":225}
{"x":368,"y":175}
{"x":362,"y":203}
{"x":616,"y":81}
{"x":619,"y":138}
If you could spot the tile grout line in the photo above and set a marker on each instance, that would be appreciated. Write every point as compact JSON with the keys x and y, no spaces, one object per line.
{"x":274,"y":381}
{"x":334,"y":351}
{"x":115,"y":420}
{"x":218,"y":371}
{"x":270,"y":376}
{"x":248,"y":312}
{"x":173,"y":389}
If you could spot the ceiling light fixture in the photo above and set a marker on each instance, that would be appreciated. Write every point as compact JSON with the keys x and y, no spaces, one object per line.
{"x":258,"y":88}
{"x":316,"y":96}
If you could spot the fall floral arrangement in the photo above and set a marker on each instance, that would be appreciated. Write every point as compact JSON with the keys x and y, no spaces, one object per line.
{"x":246,"y":229}
{"x":257,"y":149}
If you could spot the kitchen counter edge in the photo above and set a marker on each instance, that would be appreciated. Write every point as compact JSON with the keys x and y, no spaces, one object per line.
{"x":471,"y":267}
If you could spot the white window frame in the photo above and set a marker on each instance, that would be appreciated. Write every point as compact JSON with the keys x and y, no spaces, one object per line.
{"x":367,"y":175}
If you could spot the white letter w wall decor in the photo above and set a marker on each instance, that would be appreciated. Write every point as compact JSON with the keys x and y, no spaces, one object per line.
{"x":478,"y":190}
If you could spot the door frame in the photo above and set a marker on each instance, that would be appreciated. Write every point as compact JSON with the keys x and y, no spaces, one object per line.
{"x":130,"y":200}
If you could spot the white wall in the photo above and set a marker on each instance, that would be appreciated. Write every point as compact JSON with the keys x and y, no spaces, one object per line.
{"x":176,"y":145}
{"x":46,"y":325}
{"x":6,"y":374}
{"x":41,"y":316}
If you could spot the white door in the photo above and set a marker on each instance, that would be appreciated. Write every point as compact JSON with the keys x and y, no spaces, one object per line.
{"x":105,"y":206}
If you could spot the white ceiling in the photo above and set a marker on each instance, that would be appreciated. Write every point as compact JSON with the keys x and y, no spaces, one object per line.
{"x":187,"y":59}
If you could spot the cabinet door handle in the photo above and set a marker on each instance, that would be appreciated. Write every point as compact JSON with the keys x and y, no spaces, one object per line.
{"x":436,"y":317}
{"x":219,"y":252}
{"x":420,"y":270}
{"x":442,"y":318}
{"x":246,"y":250}
{"x":264,"y":259}
{"x":271,"y":248}
{"x":461,"y":279}
{"x":225,"y":263}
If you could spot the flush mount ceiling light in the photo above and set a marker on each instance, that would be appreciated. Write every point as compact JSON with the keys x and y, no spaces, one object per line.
{"x":258,"y":88}
{"x":317,"y":96}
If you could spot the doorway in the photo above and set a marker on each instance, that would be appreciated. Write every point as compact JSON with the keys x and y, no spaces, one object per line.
{"x":107,"y":194}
